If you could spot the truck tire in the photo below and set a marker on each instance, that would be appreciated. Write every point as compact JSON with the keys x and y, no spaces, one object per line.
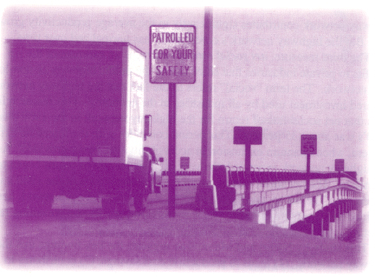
{"x":41,"y":203}
{"x":123,"y":208}
{"x":123,"y":204}
{"x":140,"y":201}
{"x":141,"y":195}
{"x":20,"y":202}
{"x":108,"y":205}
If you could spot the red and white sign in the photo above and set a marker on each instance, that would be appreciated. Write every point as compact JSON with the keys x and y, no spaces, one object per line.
{"x":172,"y":54}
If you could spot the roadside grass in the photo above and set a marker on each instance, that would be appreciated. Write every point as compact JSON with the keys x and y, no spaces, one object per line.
{"x":189,"y":239}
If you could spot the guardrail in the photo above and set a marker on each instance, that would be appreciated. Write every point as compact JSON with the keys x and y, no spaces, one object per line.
{"x":185,"y":172}
{"x":236,"y":175}
{"x":262,"y":175}
{"x":267,"y":185}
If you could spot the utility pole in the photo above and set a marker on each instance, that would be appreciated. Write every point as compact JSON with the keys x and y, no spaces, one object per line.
{"x":206,"y":192}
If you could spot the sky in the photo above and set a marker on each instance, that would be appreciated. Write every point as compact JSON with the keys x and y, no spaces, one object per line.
{"x":290,"y":71}
{"x":289,"y":68}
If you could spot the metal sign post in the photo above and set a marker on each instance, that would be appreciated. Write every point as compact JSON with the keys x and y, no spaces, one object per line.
{"x":247,"y":136}
{"x":339,"y":166}
{"x":172,"y":151}
{"x":309,"y":146}
{"x":172,"y":61}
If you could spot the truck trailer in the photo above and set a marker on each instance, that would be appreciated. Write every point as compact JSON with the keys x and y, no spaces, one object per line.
{"x":76,"y":125}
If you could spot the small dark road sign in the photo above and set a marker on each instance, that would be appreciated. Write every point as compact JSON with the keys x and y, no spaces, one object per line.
{"x":247,"y":135}
{"x":339,"y":164}
{"x":184,"y":162}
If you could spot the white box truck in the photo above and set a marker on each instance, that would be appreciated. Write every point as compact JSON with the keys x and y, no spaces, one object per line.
{"x":75,"y":124}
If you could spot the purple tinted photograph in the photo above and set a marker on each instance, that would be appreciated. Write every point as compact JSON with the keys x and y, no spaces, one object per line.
{"x":166,"y":138}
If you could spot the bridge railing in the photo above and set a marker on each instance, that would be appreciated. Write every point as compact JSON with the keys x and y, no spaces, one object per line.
{"x":236,"y":175}
{"x":268,"y":185}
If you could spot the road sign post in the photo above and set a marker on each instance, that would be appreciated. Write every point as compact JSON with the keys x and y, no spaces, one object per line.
{"x":339,"y":166}
{"x":172,"y":61}
{"x":309,"y":145}
{"x":248,"y":136}
{"x":172,"y":151}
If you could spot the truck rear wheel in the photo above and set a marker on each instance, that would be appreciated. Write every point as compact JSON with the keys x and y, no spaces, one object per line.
{"x":37,"y":202}
{"x":108,"y":205}
{"x":123,"y":208}
{"x":20,"y":202}
{"x":111,"y":205}
{"x":41,"y":202}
